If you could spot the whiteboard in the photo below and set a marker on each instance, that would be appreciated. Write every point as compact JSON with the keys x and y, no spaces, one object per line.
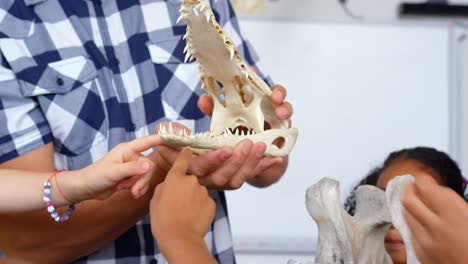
{"x":359,"y":92}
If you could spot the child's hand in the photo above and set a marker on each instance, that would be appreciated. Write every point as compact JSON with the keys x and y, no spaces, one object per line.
{"x":181,"y":209}
{"x":122,"y":168}
{"x":438,"y":220}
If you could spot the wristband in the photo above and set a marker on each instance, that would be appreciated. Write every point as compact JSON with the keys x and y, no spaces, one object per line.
{"x":50,"y":207}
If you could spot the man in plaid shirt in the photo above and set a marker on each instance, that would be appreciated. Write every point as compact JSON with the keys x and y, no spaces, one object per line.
{"x":78,"y":77}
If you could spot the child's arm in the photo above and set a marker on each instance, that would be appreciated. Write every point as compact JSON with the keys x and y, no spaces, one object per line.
{"x":181,"y":214}
{"x":122,"y":168}
{"x":438,"y":220}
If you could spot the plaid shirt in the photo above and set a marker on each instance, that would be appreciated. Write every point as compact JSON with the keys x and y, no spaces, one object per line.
{"x":89,"y":74}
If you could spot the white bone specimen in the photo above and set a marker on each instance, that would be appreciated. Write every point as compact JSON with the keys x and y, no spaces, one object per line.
{"x":372,"y":217}
{"x":248,"y":6}
{"x":345,"y":239}
{"x":242,"y":100}
{"x":394,"y":193}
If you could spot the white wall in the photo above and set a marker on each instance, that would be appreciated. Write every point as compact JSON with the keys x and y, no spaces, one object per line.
{"x":359,"y":92}
{"x":330,"y":10}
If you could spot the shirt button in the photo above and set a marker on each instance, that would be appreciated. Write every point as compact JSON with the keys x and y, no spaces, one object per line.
{"x":60,"y":81}
{"x":154,"y":261}
{"x":131,"y":127}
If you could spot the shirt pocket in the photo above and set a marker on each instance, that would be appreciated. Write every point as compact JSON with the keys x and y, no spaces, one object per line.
{"x":179,"y":81}
{"x":57,"y":77}
{"x":68,"y":94}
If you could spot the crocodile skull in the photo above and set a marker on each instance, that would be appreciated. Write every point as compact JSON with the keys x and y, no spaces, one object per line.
{"x":243,"y":108}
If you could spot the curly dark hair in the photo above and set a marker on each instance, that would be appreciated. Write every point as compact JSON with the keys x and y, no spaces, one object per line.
{"x":437,"y":161}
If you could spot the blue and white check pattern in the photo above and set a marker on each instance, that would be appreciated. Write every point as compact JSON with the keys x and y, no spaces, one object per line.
{"x":89,"y":74}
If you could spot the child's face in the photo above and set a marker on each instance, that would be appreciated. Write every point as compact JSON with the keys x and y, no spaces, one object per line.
{"x":393,"y":241}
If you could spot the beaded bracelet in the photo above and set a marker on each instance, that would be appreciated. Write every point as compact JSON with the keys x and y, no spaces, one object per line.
{"x":50,"y":208}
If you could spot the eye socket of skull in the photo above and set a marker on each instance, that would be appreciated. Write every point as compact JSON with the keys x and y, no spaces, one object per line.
{"x":221,"y":93}
{"x":215,"y":89}
{"x":244,"y":90}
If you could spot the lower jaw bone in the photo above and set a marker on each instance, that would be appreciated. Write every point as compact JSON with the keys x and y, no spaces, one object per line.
{"x":205,"y":142}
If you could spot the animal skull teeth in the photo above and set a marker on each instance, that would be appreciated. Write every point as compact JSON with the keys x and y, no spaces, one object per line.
{"x":242,"y":105}
{"x":203,"y":142}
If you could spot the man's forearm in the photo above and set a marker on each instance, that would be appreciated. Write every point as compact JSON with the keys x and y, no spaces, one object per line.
{"x":38,"y":238}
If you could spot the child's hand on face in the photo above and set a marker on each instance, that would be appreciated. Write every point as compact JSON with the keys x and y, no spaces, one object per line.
{"x":181,"y":208}
{"x":122,"y":168}
{"x":438,"y":220}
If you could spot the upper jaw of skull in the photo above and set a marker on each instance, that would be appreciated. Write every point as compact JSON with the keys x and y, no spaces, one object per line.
{"x":242,"y":105}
